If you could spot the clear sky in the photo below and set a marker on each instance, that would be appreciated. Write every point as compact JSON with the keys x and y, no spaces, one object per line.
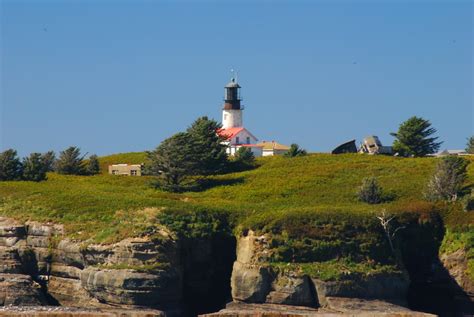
{"x":119,"y":76}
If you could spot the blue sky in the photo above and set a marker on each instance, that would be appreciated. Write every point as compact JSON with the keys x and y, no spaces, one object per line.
{"x":119,"y":76}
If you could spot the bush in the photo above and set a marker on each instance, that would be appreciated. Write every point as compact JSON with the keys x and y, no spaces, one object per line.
{"x":295,"y":150}
{"x":70,"y":162}
{"x":370,"y":192}
{"x":34,"y":168}
{"x":468,"y":204}
{"x":10,"y":166}
{"x":446,"y":183}
{"x":244,"y":156}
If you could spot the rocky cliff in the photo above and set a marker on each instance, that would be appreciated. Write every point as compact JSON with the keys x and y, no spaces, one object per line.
{"x":254,"y":281}
{"x":183,"y":276}
{"x":38,"y":267}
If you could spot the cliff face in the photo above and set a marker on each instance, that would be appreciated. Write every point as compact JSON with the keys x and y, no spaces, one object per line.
{"x":254,"y":281}
{"x":37,"y":267}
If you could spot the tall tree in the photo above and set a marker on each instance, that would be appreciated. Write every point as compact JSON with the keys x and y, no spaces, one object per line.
{"x":49,"y":159}
{"x":70,"y":162}
{"x":34,"y":168}
{"x":209,"y":154}
{"x":10,"y":166}
{"x":93,"y":167}
{"x":414,"y":138}
{"x":172,"y":161}
{"x":448,"y":179}
{"x":295,"y":150}
{"x":470,"y":145}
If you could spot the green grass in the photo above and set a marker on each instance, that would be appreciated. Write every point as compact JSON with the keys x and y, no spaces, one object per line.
{"x":455,"y":240}
{"x":336,"y":270}
{"x":281,"y":191}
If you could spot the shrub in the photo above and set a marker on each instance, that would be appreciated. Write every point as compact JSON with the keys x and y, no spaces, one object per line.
{"x":70,"y":162}
{"x":370,"y":191}
{"x":446,"y":183}
{"x":93,"y":166}
{"x":10,"y":166}
{"x":295,"y":150}
{"x":244,"y":155}
{"x":468,"y":204}
{"x":34,"y":168}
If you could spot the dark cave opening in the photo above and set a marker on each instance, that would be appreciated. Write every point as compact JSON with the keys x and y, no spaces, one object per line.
{"x":432,"y":289}
{"x":207,"y":272}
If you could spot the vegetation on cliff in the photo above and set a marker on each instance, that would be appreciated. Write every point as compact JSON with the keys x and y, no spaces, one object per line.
{"x":309,"y":206}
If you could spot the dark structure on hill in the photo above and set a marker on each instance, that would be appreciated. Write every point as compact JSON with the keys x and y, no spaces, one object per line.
{"x":347,"y":147}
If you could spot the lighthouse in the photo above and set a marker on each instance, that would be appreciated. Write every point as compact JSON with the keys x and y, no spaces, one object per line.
{"x":232,"y":110}
{"x":233,"y":133}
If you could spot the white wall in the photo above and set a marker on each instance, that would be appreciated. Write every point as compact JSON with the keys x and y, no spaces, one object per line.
{"x":231,"y":118}
{"x":256,"y":150}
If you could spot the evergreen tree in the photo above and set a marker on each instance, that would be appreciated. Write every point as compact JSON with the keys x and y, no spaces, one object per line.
{"x":413,"y":138}
{"x":447,"y":181}
{"x":49,"y":159}
{"x":209,"y":154}
{"x":34,"y":168}
{"x":245,"y":156}
{"x":10,"y":166}
{"x":470,"y":145}
{"x":93,"y":167}
{"x":295,"y":150}
{"x":370,"y":191}
{"x":172,"y":161}
{"x":70,"y":162}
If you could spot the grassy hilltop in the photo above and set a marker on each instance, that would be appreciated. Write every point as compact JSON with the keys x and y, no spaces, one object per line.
{"x":308,"y":204}
{"x":90,"y":206}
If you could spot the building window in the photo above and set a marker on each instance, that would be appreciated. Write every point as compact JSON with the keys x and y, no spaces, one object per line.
{"x":248,"y":140}
{"x":133,"y":172}
{"x":237,"y":140}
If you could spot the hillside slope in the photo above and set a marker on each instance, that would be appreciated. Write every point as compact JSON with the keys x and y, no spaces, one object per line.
{"x":97,"y":206}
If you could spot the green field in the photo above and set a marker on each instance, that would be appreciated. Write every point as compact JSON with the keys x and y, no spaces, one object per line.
{"x":107,"y":208}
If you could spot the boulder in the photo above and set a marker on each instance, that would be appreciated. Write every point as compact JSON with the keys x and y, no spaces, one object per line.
{"x":292,"y":291}
{"x":250,"y":283}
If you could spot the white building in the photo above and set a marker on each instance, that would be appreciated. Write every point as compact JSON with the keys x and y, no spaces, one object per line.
{"x":233,"y":131}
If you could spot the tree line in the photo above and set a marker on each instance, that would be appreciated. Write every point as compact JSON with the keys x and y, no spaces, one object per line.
{"x":36,"y":166}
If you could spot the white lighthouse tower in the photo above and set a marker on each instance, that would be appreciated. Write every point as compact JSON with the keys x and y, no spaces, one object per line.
{"x":232,"y":110}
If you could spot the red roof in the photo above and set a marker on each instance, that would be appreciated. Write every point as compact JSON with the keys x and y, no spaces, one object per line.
{"x":229,"y":133}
